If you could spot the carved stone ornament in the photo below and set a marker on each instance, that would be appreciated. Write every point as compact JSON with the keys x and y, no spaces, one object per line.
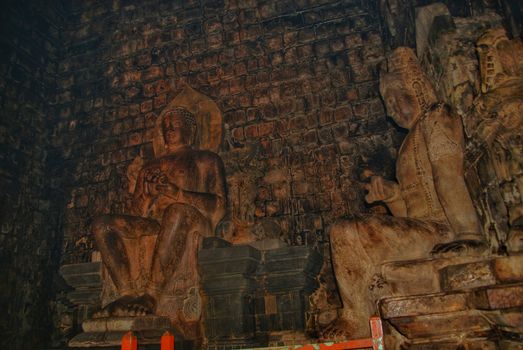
{"x":499,"y":114}
{"x":178,"y":199}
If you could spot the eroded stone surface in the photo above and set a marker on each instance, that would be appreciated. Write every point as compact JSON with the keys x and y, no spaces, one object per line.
{"x":467,"y":276}
{"x":472,"y":344}
{"x":423,"y":305}
{"x":487,"y":272}
{"x":125,"y":324}
{"x":459,"y":323}
{"x":509,"y":320}
{"x":509,"y":269}
{"x":422,"y":276}
{"x":499,"y":297}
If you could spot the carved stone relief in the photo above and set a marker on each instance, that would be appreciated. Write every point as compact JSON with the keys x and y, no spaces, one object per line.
{"x":497,"y":114}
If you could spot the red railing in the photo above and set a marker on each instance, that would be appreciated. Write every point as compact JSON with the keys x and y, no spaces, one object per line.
{"x":129,"y":341}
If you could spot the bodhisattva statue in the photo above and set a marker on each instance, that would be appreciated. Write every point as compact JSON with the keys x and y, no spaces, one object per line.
{"x":432,"y":209}
{"x":499,"y":110}
{"x":179,"y":198}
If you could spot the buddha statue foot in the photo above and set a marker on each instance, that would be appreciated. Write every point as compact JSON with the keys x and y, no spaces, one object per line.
{"x":128,"y":306}
{"x":339,"y":330}
{"x":463,"y":247}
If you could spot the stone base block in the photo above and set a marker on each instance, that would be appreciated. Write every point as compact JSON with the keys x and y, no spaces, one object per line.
{"x":105,"y":339}
{"x":471,"y":344}
{"x":125,"y":324}
{"x":510,"y":321}
{"x":498,"y":297}
{"x":423,"y":305}
{"x":511,"y":345}
{"x":108,"y":331}
{"x":277,"y":339}
{"x":232,"y":343}
{"x":467,"y":323}
{"x":421,"y":276}
{"x":484,"y":273}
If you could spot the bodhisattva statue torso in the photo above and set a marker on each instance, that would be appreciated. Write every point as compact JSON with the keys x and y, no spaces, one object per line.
{"x":179,"y":198}
{"x":432,"y":209}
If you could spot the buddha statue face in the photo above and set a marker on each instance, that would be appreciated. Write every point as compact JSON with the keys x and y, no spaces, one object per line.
{"x":178,"y":128}
{"x":401,"y":105}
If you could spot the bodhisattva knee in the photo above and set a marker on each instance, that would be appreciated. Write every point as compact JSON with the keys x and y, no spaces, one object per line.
{"x":343,"y":231}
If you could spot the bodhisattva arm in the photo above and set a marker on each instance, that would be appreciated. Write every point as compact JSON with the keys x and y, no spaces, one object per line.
{"x":396,"y":204}
{"x":388,"y":192}
{"x":443,"y":134}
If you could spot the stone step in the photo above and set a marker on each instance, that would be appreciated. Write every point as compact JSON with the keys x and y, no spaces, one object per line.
{"x":510,"y":321}
{"x":411,"y":277}
{"x":422,"y":305}
{"x":488,"y":272}
{"x":456,"y":314}
{"x":126,"y":324}
{"x":147,"y":339}
{"x":453,"y":344}
{"x":460,"y":324}
{"x":108,"y":331}
{"x":426,"y":276}
{"x":497,"y":297}
{"x":85,"y":296}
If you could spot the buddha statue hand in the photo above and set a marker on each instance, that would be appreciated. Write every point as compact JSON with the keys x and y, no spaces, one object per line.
{"x":158,"y":183}
{"x":381,"y":190}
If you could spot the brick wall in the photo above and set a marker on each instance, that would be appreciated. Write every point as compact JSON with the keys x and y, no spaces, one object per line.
{"x":296,"y":82}
{"x":30,"y":237}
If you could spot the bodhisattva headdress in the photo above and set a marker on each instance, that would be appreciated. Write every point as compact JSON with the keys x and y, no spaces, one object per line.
{"x":405,"y":73}
{"x":499,"y":58}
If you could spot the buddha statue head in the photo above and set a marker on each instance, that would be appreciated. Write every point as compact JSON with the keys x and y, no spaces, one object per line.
{"x":178,"y":128}
{"x":406,"y":91}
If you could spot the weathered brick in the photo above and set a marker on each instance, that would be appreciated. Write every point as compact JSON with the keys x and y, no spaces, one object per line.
{"x":508,"y":269}
{"x":467,"y":276}
{"x":433,"y":325}
{"x":498,"y":297}
{"x":160,"y":101}
{"x":148,"y":90}
{"x":146,"y":106}
{"x":135,"y":139}
{"x":423,"y":305}
{"x":237,"y":134}
{"x":251,"y":131}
